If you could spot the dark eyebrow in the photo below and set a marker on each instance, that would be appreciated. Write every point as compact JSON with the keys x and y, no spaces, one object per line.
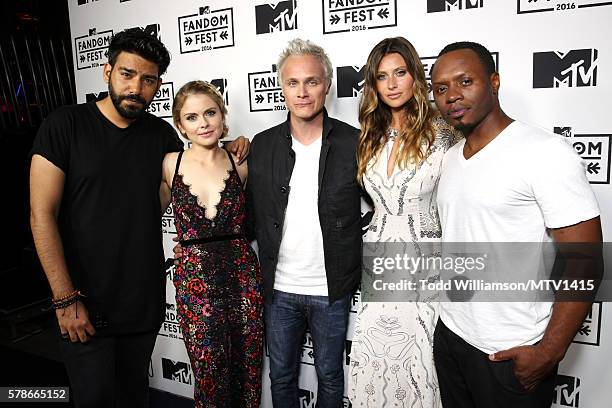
{"x":128,"y":70}
{"x":394,"y":69}
{"x":453,"y":78}
{"x":133,"y":71}
{"x":149,"y":76}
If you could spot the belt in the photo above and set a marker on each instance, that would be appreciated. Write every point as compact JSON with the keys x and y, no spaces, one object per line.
{"x":195,"y":241}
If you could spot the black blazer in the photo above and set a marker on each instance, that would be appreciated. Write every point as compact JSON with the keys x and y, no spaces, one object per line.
{"x":271,"y":162}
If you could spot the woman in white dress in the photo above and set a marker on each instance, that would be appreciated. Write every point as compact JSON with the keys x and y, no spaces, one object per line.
{"x":400,"y":152}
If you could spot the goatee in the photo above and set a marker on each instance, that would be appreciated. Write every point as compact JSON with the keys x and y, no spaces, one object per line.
{"x":128,"y":111}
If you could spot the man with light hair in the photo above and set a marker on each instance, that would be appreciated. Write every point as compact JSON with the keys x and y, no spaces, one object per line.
{"x":305,"y":210}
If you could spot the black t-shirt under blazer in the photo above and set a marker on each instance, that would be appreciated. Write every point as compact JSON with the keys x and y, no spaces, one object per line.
{"x":110,"y":212}
{"x":271,"y":163}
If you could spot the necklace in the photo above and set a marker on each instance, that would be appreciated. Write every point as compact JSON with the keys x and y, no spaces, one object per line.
{"x":392,"y":134}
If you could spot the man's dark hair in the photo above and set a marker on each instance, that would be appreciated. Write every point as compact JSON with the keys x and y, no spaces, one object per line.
{"x":483,"y":54}
{"x":136,"y":41}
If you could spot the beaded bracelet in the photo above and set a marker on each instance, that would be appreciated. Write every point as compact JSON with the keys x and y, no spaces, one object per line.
{"x":62,"y":298}
{"x":66,"y":301}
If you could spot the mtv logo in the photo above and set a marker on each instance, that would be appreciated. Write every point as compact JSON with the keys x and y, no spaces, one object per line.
{"x":176,"y":371}
{"x":591,"y":327}
{"x":170,"y":306}
{"x":347,"y":351}
{"x":221,"y":85}
{"x":276,"y":16}
{"x":92,"y":31}
{"x":553,"y":69}
{"x":169,"y":266}
{"x":567,"y":391}
{"x":204,"y":10}
{"x":563,"y":131}
{"x":434,"y":6}
{"x":152,"y":29}
{"x":93,"y":97}
{"x":306,"y":398}
{"x":350,"y":81}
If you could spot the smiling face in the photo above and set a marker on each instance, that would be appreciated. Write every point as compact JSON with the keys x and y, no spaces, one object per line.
{"x":394,"y":84}
{"x":132,"y":84}
{"x":304,"y":85}
{"x":463,"y":91}
{"x":201,"y":120}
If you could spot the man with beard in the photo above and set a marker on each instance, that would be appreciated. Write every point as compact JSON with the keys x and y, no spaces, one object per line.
{"x":95,"y":215}
{"x":506,"y":182}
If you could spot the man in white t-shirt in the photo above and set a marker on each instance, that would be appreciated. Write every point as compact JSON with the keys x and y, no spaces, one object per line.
{"x":505,"y":182}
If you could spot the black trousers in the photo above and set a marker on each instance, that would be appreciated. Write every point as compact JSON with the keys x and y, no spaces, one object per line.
{"x":468,"y":379}
{"x":110,"y":371}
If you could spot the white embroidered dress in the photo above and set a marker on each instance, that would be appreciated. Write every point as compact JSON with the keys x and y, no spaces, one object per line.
{"x":392,"y":350}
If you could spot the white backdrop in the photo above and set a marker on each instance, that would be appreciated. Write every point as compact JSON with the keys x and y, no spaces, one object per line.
{"x":554,"y":58}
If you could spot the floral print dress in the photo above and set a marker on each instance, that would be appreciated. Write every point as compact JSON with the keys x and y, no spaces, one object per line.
{"x":219,"y":296}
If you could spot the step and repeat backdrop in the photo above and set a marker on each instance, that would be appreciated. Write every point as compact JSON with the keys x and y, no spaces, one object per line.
{"x":555,"y":61}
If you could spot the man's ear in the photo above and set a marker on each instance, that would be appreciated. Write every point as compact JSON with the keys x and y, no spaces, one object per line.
{"x":495,"y":82}
{"x":106,"y":72}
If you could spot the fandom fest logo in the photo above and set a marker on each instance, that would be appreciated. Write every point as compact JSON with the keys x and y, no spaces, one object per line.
{"x":535,"y":6}
{"x":594,"y":149}
{"x":307,"y":353}
{"x":340,"y":16}
{"x":91,"y":50}
{"x":170,"y":327}
{"x":555,"y":69}
{"x":178,"y":371}
{"x":272,"y":16}
{"x":567,"y":391}
{"x":161,"y":105}
{"x":349,"y":81}
{"x":428,"y":63}
{"x":590,"y":327}
{"x":206,"y":30}
{"x":168,"y":226}
{"x":434,"y":6}
{"x":265,"y":93}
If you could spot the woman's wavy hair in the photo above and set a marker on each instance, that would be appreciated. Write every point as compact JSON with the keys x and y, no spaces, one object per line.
{"x":195,"y":88}
{"x":375,"y":116}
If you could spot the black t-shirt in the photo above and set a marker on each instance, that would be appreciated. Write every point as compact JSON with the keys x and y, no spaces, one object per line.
{"x":110,"y":214}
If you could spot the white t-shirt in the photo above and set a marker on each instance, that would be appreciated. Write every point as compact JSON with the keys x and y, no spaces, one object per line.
{"x":522,"y":182}
{"x":301,"y":263}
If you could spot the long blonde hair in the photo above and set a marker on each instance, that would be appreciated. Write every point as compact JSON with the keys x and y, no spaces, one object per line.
{"x":375,"y":116}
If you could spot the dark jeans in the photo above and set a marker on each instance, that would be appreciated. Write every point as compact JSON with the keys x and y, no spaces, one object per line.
{"x":287,"y":317}
{"x":110,"y":371}
{"x":468,"y":379}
